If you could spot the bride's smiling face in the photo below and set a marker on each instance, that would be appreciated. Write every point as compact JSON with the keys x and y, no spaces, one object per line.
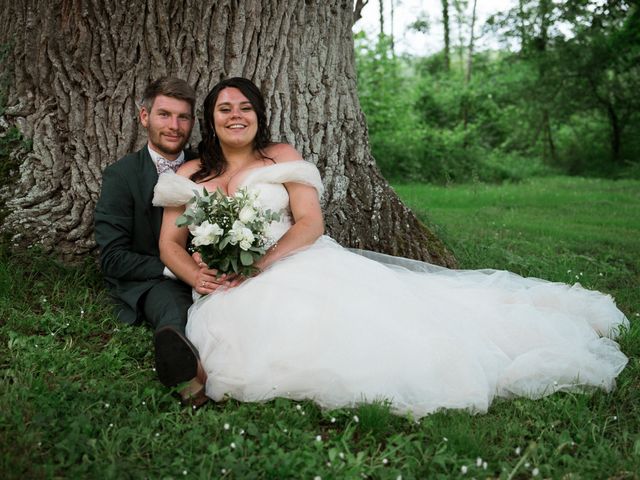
{"x":234,"y":119}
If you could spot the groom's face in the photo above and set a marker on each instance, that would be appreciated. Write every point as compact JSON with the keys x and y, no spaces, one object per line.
{"x":168,"y":124}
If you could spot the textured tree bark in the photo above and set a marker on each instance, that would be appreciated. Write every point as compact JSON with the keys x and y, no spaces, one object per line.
{"x":76,"y":69}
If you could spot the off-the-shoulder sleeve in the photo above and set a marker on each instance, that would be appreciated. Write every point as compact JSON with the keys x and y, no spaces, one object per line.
{"x":173,"y":190}
{"x":299,"y":171}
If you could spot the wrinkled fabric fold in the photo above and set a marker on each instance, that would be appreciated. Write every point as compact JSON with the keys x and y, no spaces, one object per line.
{"x":342,"y":327}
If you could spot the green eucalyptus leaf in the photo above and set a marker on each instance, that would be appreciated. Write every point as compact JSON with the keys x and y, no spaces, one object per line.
{"x":246,"y":258}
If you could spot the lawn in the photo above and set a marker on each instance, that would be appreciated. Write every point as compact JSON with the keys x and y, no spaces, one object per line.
{"x":80,"y":399}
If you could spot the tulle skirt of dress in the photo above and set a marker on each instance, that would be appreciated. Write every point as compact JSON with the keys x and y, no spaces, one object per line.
{"x":338,"y":328}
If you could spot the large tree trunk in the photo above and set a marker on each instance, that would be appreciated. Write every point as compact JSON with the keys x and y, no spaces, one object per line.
{"x":78,"y":67}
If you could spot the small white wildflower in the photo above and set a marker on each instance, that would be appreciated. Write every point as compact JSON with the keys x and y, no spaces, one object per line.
{"x":303,"y":413}
{"x":241,"y":431}
{"x":39,"y":444}
{"x":233,"y":445}
{"x":615,"y":417}
{"x":106,"y":405}
{"x":478,"y":462}
{"x":53,"y":334}
{"x":463,"y":469}
{"x":385,"y":461}
{"x":328,"y":464}
{"x":157,"y":434}
{"x":356,"y":419}
{"x":484,"y":465}
{"x":399,"y":477}
{"x":577,"y":277}
{"x":298,"y":407}
{"x":317,"y":477}
{"x":184,"y":472}
{"x":110,"y":425}
{"x":445,"y":439}
{"x":318,"y":438}
{"x":568,"y":271}
{"x":144,"y":403}
{"x":226,"y":426}
{"x":81,"y":312}
{"x":535,"y":472}
{"x":333,"y":419}
{"x":284,"y":430}
{"x":527,"y":465}
{"x":600,"y":274}
{"x":223,"y":471}
{"x":517,"y":450}
{"x":341,"y":455}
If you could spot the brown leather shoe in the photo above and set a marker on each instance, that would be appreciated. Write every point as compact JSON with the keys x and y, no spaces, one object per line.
{"x":192,"y":395}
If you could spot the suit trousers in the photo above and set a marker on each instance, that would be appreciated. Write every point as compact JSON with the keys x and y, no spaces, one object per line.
{"x":167,"y":303}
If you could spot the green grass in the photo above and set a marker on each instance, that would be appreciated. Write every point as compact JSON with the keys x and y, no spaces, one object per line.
{"x":80,"y":399}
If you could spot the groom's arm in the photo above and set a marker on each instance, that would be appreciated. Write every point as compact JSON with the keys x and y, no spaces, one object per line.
{"x":114,"y":230}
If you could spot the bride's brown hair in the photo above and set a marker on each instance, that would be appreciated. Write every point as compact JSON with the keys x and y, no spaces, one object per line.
{"x":212,"y":160}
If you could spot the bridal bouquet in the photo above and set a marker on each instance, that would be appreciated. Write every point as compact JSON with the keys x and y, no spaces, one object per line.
{"x":229,"y":232}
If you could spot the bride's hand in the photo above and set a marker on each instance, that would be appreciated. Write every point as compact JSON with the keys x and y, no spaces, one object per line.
{"x":208,"y":280}
{"x":234,"y":280}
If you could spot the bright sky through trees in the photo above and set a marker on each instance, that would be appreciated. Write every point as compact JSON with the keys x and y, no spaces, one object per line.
{"x":408,"y":11}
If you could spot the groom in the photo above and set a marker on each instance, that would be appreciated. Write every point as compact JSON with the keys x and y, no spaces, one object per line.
{"x":127,"y":228}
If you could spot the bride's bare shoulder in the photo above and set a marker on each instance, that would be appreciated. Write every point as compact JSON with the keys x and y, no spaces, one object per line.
{"x":282,"y":152}
{"x":189,"y":168}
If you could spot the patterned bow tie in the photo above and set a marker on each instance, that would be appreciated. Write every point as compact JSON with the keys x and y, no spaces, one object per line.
{"x":165,"y":165}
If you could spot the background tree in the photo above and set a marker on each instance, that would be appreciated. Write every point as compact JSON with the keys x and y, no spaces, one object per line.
{"x":447,"y":42}
{"x":601,"y":64}
{"x":75,"y":69}
{"x":581,"y":96}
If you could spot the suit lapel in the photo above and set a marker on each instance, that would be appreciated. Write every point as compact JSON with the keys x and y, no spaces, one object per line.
{"x":148,"y":179}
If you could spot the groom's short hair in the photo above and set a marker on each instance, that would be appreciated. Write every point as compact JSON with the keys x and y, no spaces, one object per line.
{"x":169,"y":87}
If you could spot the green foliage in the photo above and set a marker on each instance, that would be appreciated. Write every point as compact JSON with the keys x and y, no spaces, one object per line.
{"x":387,"y":94}
{"x":567,"y":101}
{"x":80,"y":398}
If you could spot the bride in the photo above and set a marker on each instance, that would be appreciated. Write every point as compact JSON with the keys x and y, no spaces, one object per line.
{"x":339,"y":327}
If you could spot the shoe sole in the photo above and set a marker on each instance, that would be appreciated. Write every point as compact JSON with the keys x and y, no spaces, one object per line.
{"x":176,"y":359}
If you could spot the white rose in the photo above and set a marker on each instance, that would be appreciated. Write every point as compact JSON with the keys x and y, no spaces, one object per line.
{"x":206,"y":233}
{"x":247,"y":235}
{"x":245,"y":245}
{"x":247,"y":214}
{"x":235,"y":233}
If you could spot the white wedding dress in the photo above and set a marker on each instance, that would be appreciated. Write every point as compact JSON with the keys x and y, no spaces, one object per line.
{"x":340,"y":328}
